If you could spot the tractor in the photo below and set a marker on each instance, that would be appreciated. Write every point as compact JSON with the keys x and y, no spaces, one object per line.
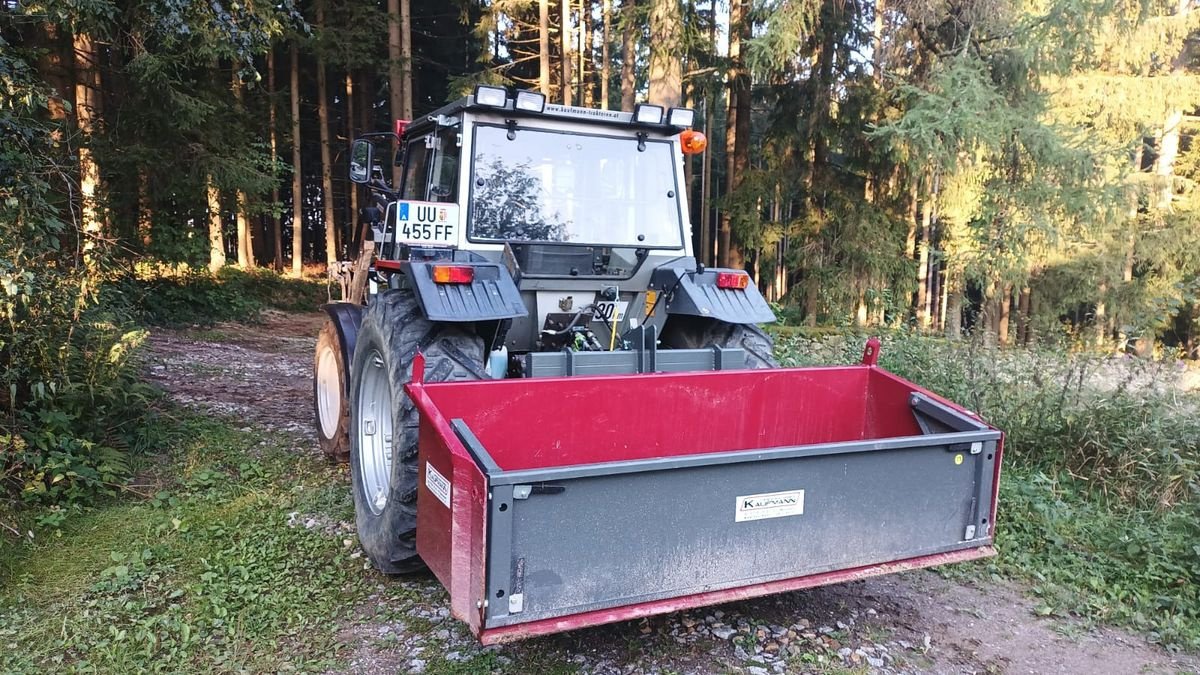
{"x":550,"y":403}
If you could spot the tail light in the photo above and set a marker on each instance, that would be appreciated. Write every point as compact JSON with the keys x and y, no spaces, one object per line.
{"x":453,"y":274}
{"x":738,"y":280}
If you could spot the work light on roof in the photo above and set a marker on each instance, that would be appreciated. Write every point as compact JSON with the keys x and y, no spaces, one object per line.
{"x":494,"y":97}
{"x":530,"y":101}
{"x":681,"y":117}
{"x":644,"y":113}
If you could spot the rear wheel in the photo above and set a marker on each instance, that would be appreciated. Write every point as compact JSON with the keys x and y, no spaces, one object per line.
{"x":695,"y":332}
{"x":330,"y":401}
{"x":383,"y":421}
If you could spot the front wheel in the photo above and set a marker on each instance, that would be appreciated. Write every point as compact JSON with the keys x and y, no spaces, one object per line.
{"x":695,"y":332}
{"x":384,"y":424}
{"x":330,"y":401}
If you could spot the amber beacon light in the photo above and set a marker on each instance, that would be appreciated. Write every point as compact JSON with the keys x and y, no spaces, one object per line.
{"x":693,"y":142}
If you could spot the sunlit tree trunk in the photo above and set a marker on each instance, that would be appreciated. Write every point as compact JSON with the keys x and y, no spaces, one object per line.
{"x":331,"y":243}
{"x":1025,"y":315}
{"x":216,"y":235}
{"x":954,"y":303}
{"x":564,"y":36}
{"x":245,"y":242}
{"x":297,"y":176}
{"x":666,"y":65}
{"x":587,"y":69}
{"x":1005,"y":312}
{"x":605,"y":63}
{"x":923,"y":264}
{"x":88,"y":99}
{"x":544,"y":47}
{"x":273,"y":133}
{"x":628,"y":55}
{"x":1169,"y":148}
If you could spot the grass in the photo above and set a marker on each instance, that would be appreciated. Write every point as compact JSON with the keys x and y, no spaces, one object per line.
{"x":1100,"y":496}
{"x":207,"y":575}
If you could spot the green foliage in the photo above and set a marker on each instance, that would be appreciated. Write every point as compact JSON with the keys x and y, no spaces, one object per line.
{"x":1101,"y":479}
{"x":70,"y":405}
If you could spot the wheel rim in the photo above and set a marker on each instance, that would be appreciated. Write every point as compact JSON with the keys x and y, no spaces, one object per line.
{"x":374,"y":430}
{"x":329,"y":393}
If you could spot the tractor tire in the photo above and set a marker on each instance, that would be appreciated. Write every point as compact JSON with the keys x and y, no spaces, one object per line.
{"x":695,"y":332}
{"x":384,"y":424}
{"x":331,"y":404}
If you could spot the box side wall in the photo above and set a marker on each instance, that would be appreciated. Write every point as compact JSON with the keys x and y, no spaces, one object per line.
{"x":549,"y":422}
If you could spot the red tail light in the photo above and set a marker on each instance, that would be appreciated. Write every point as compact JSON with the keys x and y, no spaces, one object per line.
{"x":453,"y":274}
{"x":738,"y":280}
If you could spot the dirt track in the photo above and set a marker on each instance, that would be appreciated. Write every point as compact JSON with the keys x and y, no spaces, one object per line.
{"x":912,"y":622}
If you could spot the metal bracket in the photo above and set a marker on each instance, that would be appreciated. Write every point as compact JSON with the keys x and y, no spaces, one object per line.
{"x":969,"y":534}
{"x":522,"y":491}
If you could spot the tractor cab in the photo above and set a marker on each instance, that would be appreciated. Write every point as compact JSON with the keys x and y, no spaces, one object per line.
{"x":581,"y":208}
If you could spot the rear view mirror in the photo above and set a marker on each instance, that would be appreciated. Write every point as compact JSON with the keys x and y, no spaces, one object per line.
{"x":362,"y":159}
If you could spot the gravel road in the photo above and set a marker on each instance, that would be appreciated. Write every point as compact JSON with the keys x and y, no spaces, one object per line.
{"x":916,"y":622}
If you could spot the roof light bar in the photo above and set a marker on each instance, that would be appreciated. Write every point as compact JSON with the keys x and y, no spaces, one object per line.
{"x":644,"y":113}
{"x":681,"y":117}
{"x":530,"y":101}
{"x":493,"y":97}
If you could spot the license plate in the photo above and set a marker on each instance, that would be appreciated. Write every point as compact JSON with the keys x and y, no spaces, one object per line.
{"x":608,"y":311}
{"x":426,"y":223}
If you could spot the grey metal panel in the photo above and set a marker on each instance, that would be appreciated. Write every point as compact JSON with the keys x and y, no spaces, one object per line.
{"x":697,"y":294}
{"x":492,"y":295}
{"x":942,"y":414}
{"x":608,"y":540}
{"x":559,"y":364}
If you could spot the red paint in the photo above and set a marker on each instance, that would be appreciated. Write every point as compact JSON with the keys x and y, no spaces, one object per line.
{"x":389,"y":265}
{"x":401,"y":125}
{"x":548,"y":422}
{"x":871,"y":352}
{"x":628,"y":612}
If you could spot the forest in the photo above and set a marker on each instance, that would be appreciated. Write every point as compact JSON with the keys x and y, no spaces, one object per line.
{"x":1006,"y":191}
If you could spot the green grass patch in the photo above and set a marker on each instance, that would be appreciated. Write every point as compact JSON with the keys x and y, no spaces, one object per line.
{"x":1100,"y":494}
{"x":207,"y":575}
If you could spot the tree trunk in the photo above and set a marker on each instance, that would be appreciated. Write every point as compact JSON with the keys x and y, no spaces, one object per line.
{"x":273,"y":132}
{"x":628,"y":55}
{"x":297,"y":176}
{"x":605,"y":64}
{"x":544,"y":47}
{"x":1024,"y":316}
{"x":1005,"y":311}
{"x":88,"y":97}
{"x":351,"y":188}
{"x":331,"y":244}
{"x":923,"y":265}
{"x":586,"y":67}
{"x":145,"y":213}
{"x":666,"y":65}
{"x":396,"y":72}
{"x":245,"y":241}
{"x":811,"y":302}
{"x":216,"y":235}
{"x":704,"y":255}
{"x":1169,"y":149}
{"x":954,"y":303}
{"x":564,"y":37}
{"x":406,"y":104}
{"x":737,"y":131}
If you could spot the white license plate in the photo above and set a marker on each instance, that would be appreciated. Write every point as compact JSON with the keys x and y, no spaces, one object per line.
{"x":426,"y":223}
{"x":608,"y":311}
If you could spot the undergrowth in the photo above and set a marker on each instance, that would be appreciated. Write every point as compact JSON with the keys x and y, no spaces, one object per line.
{"x":1100,"y":492}
{"x":167,"y":296}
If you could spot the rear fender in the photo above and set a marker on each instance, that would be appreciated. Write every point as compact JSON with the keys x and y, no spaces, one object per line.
{"x":346,"y":317}
{"x":493,"y":294}
{"x":692,"y":293}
